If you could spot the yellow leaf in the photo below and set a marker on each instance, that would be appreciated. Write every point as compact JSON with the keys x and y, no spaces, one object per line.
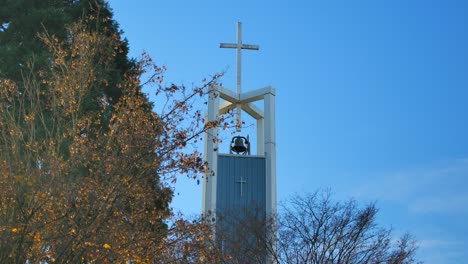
{"x":106,"y":246}
{"x":14,"y":230}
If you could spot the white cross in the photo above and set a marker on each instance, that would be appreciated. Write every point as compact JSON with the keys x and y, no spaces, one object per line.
{"x":222,"y":244}
{"x":239,"y":47}
{"x":241,"y":181}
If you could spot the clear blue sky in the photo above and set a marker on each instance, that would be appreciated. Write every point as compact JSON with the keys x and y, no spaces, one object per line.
{"x":371,"y":98}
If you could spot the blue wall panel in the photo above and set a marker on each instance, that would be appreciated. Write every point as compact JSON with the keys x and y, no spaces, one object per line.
{"x":235,"y":205}
{"x":231,"y":170}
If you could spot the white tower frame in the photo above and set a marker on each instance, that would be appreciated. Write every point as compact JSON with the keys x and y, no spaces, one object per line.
{"x":266,"y":140}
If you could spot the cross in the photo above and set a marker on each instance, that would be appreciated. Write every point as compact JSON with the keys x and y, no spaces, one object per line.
{"x":241,"y":181}
{"x":239,"y":47}
{"x":222,"y":244}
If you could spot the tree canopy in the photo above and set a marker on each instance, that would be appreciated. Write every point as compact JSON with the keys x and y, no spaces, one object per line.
{"x":84,"y":161}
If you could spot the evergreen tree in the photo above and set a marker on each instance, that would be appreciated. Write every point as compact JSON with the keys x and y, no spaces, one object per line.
{"x":77,"y":137}
{"x":21,"y":22}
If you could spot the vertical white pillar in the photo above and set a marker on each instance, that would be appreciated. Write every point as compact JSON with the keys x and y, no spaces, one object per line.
{"x":239,"y":74}
{"x":260,"y":137}
{"x":270,"y":152}
{"x":239,"y":57}
{"x":211,"y":155}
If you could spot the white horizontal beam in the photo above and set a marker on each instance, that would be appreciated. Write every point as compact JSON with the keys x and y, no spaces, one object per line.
{"x":225,"y":107}
{"x":235,"y":45}
{"x":245,"y":98}
{"x":256,"y":95}
{"x":227,"y":94}
{"x":253,"y":111}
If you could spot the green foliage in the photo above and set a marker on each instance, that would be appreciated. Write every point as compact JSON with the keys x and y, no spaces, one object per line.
{"x":77,"y":138}
{"x":22,"y":21}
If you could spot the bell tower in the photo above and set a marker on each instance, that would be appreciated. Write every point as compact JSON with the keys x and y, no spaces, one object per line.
{"x":238,"y":180}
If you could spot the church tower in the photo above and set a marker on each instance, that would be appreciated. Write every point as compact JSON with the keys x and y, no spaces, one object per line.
{"x":239,"y":181}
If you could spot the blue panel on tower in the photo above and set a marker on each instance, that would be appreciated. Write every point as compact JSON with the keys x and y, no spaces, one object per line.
{"x":241,"y":183}
{"x":241,"y":205}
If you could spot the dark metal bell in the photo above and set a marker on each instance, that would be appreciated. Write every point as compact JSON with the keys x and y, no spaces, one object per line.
{"x":239,"y":146}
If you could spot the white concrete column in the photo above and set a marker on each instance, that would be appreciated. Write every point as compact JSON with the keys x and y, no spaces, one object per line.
{"x":260,"y":137}
{"x":211,"y":155}
{"x":270,"y":152}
